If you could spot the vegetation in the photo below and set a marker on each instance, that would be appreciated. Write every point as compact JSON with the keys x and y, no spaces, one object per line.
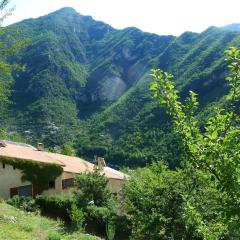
{"x":199,"y":200}
{"x":92,"y":188}
{"x":92,"y":207}
{"x":39,"y":174}
{"x":16,"y":224}
{"x":77,"y":218}
{"x":93,"y":94}
{"x":24,"y":203}
{"x":58,"y":206}
{"x":5,"y":50}
{"x":86,"y":92}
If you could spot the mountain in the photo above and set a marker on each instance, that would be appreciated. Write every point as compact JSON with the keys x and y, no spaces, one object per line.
{"x":87,"y":84}
{"x":232,"y":27}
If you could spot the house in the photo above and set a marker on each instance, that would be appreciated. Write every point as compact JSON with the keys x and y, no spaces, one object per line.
{"x":11,"y":182}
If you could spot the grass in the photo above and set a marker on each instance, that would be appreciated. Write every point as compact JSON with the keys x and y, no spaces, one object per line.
{"x":18,"y":225}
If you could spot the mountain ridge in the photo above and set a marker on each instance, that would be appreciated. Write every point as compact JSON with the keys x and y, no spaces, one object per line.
{"x":87,"y":84}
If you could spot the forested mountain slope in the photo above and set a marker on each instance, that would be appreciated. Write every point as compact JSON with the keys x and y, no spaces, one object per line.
{"x":87,"y":84}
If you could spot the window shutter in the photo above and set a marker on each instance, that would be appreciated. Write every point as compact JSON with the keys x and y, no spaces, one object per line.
{"x":13,"y":192}
{"x":35,"y":190}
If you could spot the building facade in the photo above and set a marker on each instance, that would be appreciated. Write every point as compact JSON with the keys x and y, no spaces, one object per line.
{"x":11,"y":183}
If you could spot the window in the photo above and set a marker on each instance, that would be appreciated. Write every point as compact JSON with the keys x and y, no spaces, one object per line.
{"x":24,"y":191}
{"x":3,"y":165}
{"x":51,"y":184}
{"x":67,"y":183}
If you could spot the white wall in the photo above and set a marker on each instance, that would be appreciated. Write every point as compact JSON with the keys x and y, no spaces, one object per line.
{"x":9,"y":178}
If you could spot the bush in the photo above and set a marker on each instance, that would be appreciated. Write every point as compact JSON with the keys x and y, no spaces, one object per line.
{"x":98,"y":217}
{"x":154,"y":200}
{"x":110,"y":231}
{"x":57,"y":206}
{"x":27,"y":204}
{"x":92,"y":188}
{"x":77,"y":218}
{"x":54,"y":236}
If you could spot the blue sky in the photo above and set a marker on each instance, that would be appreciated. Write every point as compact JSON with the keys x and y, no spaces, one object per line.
{"x":158,"y":16}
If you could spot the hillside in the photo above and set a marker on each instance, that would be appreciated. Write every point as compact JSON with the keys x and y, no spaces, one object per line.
{"x":16,"y":224}
{"x":87,"y":84}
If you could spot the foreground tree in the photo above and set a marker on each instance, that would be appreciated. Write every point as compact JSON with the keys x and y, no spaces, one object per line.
{"x":156,"y":206}
{"x":5,"y":51}
{"x":216,"y":150}
{"x":201,"y":200}
{"x":8,"y":46}
{"x":92,"y":189}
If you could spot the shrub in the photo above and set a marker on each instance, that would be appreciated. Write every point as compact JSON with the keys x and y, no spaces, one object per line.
{"x":56,"y":205}
{"x":92,"y":188}
{"x":110,"y":231}
{"x":26,"y":228}
{"x":77,"y":218}
{"x":154,"y":200}
{"x":98,"y":217}
{"x":25,"y":203}
{"x":54,"y":236}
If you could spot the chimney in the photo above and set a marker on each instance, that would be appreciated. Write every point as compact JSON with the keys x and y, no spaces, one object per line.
{"x":101,"y":163}
{"x":40,"y":147}
{"x":2,"y":144}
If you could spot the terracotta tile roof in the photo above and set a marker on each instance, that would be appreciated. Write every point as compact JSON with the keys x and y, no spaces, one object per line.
{"x":72,"y":164}
{"x":25,"y":152}
{"x":69,"y":164}
{"x":78,"y":165}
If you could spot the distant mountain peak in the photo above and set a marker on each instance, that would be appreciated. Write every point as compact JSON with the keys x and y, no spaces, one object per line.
{"x":66,"y":10}
{"x":232,"y":27}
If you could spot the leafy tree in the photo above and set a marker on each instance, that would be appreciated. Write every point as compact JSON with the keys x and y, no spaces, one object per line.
{"x":68,"y":150}
{"x":77,"y":218}
{"x":155,"y":204}
{"x":7,"y":49}
{"x":214,"y":150}
{"x":5,"y":68}
{"x":110,"y":231}
{"x":92,"y":189}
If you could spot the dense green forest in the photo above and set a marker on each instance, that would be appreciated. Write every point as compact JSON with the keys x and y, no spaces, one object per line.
{"x":84,"y":88}
{"x":85,"y":84}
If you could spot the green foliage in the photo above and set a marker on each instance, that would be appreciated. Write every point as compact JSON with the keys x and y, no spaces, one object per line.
{"x":91,"y":151}
{"x":214,"y":151}
{"x":78,"y":68}
{"x":5,"y":10}
{"x":110,"y":231}
{"x":23,"y":225}
{"x":58,"y":206}
{"x":25,"y":203}
{"x":155,"y":204}
{"x":5,"y":68}
{"x":180,"y":204}
{"x":77,"y":218}
{"x":94,"y":219}
{"x":92,"y":188}
{"x":39,"y":174}
{"x":68,"y":150}
{"x":54,"y":236}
